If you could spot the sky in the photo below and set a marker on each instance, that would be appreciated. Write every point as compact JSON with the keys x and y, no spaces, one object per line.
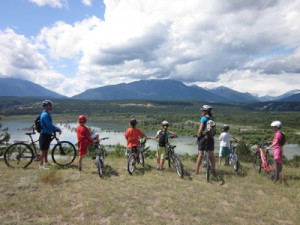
{"x":69,"y":46}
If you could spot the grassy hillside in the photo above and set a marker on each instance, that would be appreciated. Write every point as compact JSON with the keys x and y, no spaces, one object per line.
{"x":66,"y":196}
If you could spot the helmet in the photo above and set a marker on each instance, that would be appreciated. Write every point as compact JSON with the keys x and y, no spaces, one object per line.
{"x":165,"y":123}
{"x":276,"y":123}
{"x":133,"y":122}
{"x":82,"y":119}
{"x":206,"y":108}
{"x":46,"y":102}
{"x":225,"y":127}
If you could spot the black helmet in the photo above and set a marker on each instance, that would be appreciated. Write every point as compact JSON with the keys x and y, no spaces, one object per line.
{"x":225,"y":127}
{"x":133,"y":122}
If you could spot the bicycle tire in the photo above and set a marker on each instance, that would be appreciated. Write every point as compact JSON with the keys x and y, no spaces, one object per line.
{"x":273,"y":169}
{"x":142,"y":159}
{"x":236,"y":166}
{"x":131,"y":163}
{"x":99,"y":166}
{"x":178,"y":165}
{"x":256,"y":162}
{"x":207,"y":167}
{"x":170,"y":157}
{"x":63,"y":153}
{"x":18,"y":155}
{"x":236,"y":163}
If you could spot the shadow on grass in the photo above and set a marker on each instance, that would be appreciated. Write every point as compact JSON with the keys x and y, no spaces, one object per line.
{"x":108,"y":172}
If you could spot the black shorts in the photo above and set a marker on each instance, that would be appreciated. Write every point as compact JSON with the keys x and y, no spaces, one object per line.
{"x":45,"y":140}
{"x":206,"y":143}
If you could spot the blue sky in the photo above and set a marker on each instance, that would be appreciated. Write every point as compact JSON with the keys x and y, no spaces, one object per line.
{"x":70,"y":46}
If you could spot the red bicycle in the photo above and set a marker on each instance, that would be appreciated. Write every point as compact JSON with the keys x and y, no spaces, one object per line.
{"x":261,"y":160}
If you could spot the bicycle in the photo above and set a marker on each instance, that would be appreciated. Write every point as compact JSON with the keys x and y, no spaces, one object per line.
{"x":137,"y":156}
{"x":233,"y":158}
{"x":261,"y":160}
{"x":100,"y":155}
{"x":173,"y":158}
{"x":21,"y":154}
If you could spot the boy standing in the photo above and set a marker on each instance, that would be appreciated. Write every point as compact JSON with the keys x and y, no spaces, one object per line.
{"x":132,"y":135}
{"x":163,"y":138}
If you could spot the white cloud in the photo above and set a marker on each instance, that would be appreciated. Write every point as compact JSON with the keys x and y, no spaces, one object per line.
{"x":208,"y":42}
{"x":51,"y":3}
{"x":87,"y":2}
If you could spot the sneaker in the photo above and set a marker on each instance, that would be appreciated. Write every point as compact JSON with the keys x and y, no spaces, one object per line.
{"x":43,"y":167}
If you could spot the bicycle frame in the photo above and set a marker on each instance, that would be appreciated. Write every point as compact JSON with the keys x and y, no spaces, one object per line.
{"x":264,"y":159}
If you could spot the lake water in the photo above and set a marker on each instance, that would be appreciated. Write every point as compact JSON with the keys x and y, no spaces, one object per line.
{"x":115,"y":132}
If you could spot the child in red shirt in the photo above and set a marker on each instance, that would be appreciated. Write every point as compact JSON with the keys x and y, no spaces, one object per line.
{"x":84,"y":139}
{"x":132,"y":135}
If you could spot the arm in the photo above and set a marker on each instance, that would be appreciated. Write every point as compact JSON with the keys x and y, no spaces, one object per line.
{"x":200,"y":130}
{"x":173,"y":134}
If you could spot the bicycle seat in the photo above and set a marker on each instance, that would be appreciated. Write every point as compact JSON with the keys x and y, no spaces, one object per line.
{"x":173,"y":146}
{"x":31,"y":133}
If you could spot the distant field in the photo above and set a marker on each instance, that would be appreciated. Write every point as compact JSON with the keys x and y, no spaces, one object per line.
{"x":65,"y":196}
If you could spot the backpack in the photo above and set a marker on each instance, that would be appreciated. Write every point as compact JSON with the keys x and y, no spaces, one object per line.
{"x":210,"y":130}
{"x":37,"y":124}
{"x":282,"y":140}
{"x":162,"y":141}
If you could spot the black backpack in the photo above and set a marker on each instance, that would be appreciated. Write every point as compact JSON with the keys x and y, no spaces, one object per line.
{"x":282,"y":140}
{"x":162,"y":141}
{"x":37,"y":124}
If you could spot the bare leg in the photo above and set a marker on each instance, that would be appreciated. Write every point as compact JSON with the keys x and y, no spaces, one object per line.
{"x":43,"y":157}
{"x":161,"y":166}
{"x":198,"y":162}
{"x":80,"y":162}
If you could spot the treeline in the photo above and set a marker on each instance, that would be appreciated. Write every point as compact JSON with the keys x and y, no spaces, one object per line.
{"x":245,"y":121}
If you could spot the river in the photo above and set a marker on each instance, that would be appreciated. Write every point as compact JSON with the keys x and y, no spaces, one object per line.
{"x":115,"y":132}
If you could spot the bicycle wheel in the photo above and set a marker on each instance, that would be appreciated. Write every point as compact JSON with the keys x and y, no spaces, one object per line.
{"x":256,"y":162}
{"x":236,"y":163}
{"x":99,"y":166}
{"x":63,"y":153}
{"x":18,"y":155}
{"x":141,"y":159}
{"x":207,"y":167}
{"x":273,"y":169}
{"x":131,"y":164}
{"x":170,"y":158}
{"x":178,"y":165}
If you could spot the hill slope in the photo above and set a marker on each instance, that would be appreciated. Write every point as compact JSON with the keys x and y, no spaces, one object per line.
{"x":150,"y":89}
{"x":24,"y":88}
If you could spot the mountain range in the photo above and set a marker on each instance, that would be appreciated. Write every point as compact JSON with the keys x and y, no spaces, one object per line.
{"x":144,"y":90}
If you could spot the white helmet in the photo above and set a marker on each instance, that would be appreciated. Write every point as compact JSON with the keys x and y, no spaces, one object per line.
{"x":165,"y":123}
{"x":206,"y":108}
{"x":276,"y":123}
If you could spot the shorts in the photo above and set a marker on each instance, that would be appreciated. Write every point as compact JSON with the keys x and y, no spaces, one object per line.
{"x":278,"y":152}
{"x":44,"y":141}
{"x":82,"y":148}
{"x":161,"y":152}
{"x":130,"y":150}
{"x":206,"y":143}
{"x":224,"y":152}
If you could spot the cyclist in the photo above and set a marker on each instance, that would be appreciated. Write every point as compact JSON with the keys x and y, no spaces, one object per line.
{"x":84,"y":139}
{"x":225,"y":138}
{"x":204,"y":141}
{"x":277,"y":144}
{"x":47,"y":129}
{"x":163,"y":138}
{"x":132,"y":135}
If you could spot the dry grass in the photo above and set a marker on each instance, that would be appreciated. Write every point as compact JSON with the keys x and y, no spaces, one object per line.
{"x":66,"y":196}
